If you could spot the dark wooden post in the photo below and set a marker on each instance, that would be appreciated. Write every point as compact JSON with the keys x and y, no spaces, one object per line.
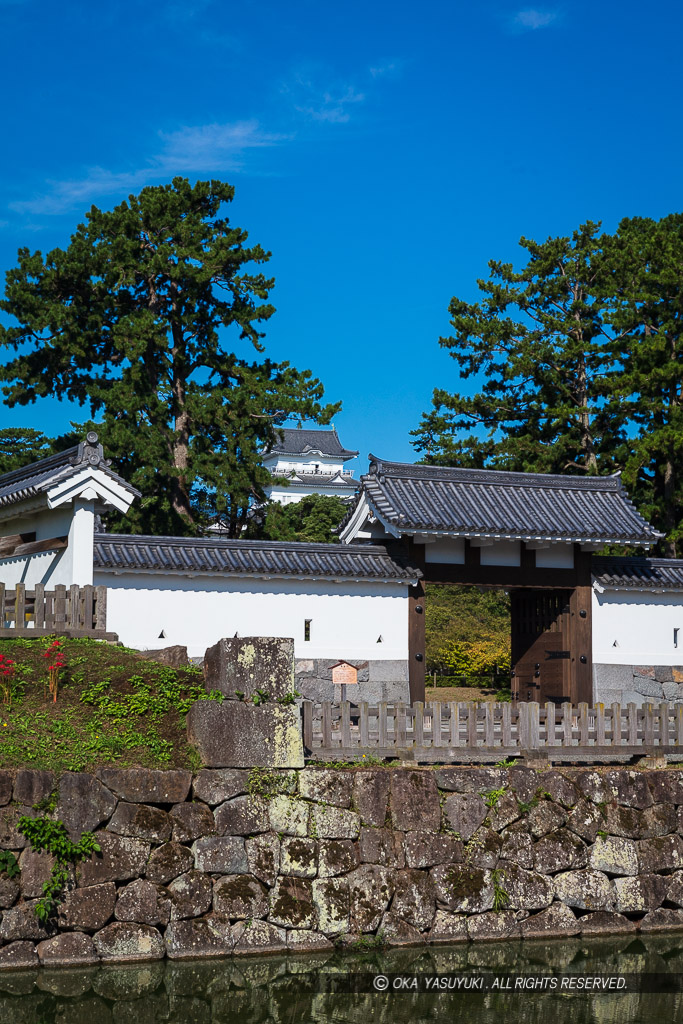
{"x":581,"y":629}
{"x":416,"y":627}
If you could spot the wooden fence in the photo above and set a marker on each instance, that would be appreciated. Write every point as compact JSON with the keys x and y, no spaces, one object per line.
{"x":462,"y":732}
{"x":68,"y":611}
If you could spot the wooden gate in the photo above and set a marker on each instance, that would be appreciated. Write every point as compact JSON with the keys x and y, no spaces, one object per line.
{"x":541,"y":646}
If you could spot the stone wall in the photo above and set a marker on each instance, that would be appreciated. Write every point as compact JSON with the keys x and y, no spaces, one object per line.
{"x":637,"y":684}
{"x":377,"y":680}
{"x":233,"y":861}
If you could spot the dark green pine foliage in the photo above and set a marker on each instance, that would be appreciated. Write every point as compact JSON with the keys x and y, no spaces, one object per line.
{"x":20,"y":446}
{"x":313,"y":519}
{"x":647,"y":285}
{"x":540,"y":344}
{"x":130,"y":320}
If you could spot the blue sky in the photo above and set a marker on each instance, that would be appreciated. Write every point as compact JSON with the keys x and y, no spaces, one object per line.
{"x":382,"y":151}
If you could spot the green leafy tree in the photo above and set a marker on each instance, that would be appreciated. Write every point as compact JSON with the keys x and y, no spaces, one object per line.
{"x":130,"y":320}
{"x":467,"y":631}
{"x":21,"y":445}
{"x":313,"y":519}
{"x":542,"y":342}
{"x":647,"y":270}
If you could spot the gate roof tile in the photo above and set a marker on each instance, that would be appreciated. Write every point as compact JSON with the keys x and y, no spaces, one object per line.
{"x":455,"y":502}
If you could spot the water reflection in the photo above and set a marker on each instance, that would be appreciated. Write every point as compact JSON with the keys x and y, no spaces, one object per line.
{"x":287,"y":991}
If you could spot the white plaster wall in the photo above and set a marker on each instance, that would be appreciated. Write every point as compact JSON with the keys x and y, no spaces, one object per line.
{"x":642,"y":624}
{"x":48,"y":567}
{"x":346,"y":618}
{"x":557,"y":556}
{"x":286,"y":495}
{"x":451,"y":552}
{"x":501,"y":552}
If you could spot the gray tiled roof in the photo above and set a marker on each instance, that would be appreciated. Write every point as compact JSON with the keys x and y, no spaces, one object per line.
{"x":492,"y":503}
{"x":39,"y":477}
{"x":618,"y":573}
{"x":248,"y":558}
{"x":301,"y":442}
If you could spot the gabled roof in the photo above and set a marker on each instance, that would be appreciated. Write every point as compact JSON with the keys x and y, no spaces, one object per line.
{"x":263,"y":559}
{"x":305,"y":442}
{"x":53,"y":474}
{"x":416,"y":499}
{"x":622,"y":573}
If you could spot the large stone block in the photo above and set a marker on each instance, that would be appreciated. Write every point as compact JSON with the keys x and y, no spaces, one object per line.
{"x":214,"y":786}
{"x":20,"y":922}
{"x":370,"y":890}
{"x":119,"y":860}
{"x":614,"y":856}
{"x":167,"y":862}
{"x":299,"y":857}
{"x":291,"y":903}
{"x":32,"y":786}
{"x":415,"y":801}
{"x":557,"y":919}
{"x":382,"y":846}
{"x":414,"y":898}
{"x":191,"y":821}
{"x":209,"y":936}
{"x":464,"y":812}
{"x":191,"y":895}
{"x":336,"y":857}
{"x":141,"y":822}
{"x":463,"y":889}
{"x":641,"y":893}
{"x":237,"y":735}
{"x":263,"y":857}
{"x":663,"y":853}
{"x":527,"y":890}
{"x":240,"y":897}
{"x":327,"y":822}
{"x":221,"y":855}
{"x":84,"y":803}
{"x":127,"y":941}
{"x":371,"y":795}
{"x":242,"y":816}
{"x":425,"y":849}
{"x":145,"y":903}
{"x":248,"y":664}
{"x":72,"y":949}
{"x":559,"y":851}
{"x":147,"y":785}
{"x":326,"y":786}
{"x":585,"y":890}
{"x":87,"y":909}
{"x":18,"y":955}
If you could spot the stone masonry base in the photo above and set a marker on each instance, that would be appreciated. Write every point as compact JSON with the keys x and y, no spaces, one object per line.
{"x":238,"y":861}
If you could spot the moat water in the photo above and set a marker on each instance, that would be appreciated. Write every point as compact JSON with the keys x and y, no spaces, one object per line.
{"x":298,"y":990}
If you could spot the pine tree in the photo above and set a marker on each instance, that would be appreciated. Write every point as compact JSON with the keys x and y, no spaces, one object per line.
{"x":130,"y":320}
{"x":541,"y":341}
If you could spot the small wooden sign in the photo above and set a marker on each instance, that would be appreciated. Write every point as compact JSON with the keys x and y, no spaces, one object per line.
{"x":344,"y":673}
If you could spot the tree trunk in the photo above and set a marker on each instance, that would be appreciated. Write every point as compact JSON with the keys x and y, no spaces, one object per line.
{"x":180,"y":493}
{"x":590,"y":461}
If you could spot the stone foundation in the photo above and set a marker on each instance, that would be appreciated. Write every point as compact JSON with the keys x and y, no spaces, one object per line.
{"x":237,"y":861}
{"x":637,"y":684}
{"x":377,"y":681}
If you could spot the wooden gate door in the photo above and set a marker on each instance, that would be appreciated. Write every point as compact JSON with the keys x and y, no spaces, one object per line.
{"x":541,"y":655}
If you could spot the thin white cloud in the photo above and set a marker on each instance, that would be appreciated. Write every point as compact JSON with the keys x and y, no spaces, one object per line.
{"x":532,"y":18}
{"x":201,"y":149}
{"x":333,"y":103}
{"x":387,"y":68}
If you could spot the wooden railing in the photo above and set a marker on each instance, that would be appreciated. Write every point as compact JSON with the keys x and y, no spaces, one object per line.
{"x":461,"y":732}
{"x":68,"y":611}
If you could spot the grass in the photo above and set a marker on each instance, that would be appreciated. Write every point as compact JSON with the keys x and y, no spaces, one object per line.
{"x":114,"y":707}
